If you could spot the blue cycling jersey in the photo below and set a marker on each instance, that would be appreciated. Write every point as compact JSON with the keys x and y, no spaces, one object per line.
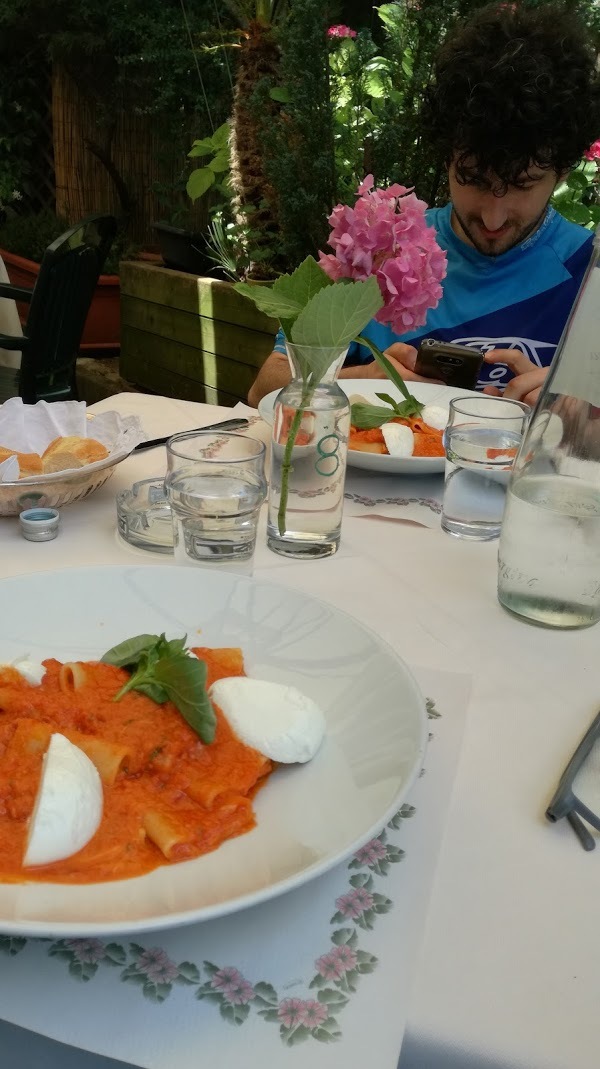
{"x":519,"y":300}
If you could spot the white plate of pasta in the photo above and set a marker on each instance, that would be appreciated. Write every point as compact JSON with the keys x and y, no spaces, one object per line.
{"x":362,"y":456}
{"x":308,"y":817}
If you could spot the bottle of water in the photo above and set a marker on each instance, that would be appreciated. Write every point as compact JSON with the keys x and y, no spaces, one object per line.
{"x":308,"y":456}
{"x":549,"y":552}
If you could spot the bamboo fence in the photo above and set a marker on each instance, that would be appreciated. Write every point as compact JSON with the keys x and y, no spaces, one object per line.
{"x":136,"y":151}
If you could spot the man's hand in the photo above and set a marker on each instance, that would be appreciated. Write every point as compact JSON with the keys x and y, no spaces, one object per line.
{"x":528,"y":380}
{"x":400,"y":355}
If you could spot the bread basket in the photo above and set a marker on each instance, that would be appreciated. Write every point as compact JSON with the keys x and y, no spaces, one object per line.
{"x":54,"y":491}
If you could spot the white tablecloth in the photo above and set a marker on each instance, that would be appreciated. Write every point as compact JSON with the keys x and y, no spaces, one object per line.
{"x":507,"y":972}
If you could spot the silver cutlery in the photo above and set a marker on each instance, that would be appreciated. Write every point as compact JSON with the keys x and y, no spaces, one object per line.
{"x":226,"y":425}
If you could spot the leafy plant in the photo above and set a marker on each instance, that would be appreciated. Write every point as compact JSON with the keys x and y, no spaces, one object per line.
{"x":578,"y":197}
{"x":216,"y":148}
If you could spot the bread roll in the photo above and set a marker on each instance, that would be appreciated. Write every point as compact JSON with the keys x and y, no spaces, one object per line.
{"x":72,"y":452}
{"x":29,"y":463}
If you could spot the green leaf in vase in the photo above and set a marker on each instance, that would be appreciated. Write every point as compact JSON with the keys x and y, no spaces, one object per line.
{"x":268,"y":300}
{"x":336,"y":314}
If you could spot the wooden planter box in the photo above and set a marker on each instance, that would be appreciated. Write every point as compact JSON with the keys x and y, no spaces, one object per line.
{"x":101,"y":329}
{"x":190,"y":337}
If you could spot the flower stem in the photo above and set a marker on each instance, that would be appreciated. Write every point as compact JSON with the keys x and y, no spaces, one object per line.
{"x":389,"y":368}
{"x":286,"y":464}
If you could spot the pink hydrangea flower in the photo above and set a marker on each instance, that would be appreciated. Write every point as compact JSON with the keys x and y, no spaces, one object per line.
{"x":593,"y":152}
{"x":157,"y":966}
{"x":387,"y":235}
{"x":340,"y":31}
{"x":354,"y":903}
{"x":338,"y":961}
{"x":371,"y":852}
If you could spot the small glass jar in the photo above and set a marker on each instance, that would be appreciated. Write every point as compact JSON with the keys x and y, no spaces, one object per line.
{"x":308,"y":456}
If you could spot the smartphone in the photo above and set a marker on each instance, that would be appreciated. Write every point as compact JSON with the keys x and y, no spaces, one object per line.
{"x":455,"y":365}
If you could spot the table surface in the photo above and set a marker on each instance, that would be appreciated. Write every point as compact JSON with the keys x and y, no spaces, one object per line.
{"x":507,"y":969}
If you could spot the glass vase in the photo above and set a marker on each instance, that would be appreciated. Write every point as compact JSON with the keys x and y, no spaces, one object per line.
{"x":309,"y":449}
{"x":549,"y":552}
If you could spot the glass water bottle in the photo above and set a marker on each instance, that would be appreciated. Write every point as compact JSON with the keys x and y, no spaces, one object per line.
{"x":549,"y":551}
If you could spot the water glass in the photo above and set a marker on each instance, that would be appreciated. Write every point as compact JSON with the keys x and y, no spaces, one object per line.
{"x":215,"y":485}
{"x":481,"y":442}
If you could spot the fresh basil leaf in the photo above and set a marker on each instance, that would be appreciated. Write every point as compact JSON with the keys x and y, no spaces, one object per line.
{"x":154,"y":691}
{"x":184,"y":680}
{"x":367,"y":417}
{"x":388,"y":400}
{"x":164,"y":672}
{"x":129,"y":652}
{"x":410,"y":407}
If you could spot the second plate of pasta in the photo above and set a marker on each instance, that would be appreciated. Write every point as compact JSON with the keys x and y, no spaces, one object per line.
{"x":428,"y":393}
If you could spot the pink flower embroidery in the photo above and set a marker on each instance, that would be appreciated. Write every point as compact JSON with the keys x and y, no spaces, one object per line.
{"x":338,"y":961}
{"x":87,"y":951}
{"x":387,"y":235}
{"x":157,"y":966}
{"x":235,"y":988}
{"x":371,"y":852}
{"x":354,"y":903}
{"x":340,"y":31}
{"x":593,"y":152}
{"x":313,"y":1014}
{"x":290,"y":1012}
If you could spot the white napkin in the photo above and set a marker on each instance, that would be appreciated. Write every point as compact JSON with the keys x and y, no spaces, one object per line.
{"x":31,"y":428}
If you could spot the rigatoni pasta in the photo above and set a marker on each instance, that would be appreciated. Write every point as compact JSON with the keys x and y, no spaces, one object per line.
{"x":167,"y":795}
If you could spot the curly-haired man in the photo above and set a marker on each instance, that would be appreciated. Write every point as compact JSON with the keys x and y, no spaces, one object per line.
{"x":514,"y":103}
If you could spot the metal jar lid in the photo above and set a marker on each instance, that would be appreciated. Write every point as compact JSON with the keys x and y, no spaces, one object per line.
{"x":39,"y":524}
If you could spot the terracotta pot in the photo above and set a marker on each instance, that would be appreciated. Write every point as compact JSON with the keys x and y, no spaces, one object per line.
{"x":102,"y":326}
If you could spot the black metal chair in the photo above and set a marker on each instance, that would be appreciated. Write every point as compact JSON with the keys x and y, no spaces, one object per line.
{"x":58,"y":306}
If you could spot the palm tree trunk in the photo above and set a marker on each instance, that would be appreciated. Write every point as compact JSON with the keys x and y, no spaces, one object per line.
{"x":258,"y":58}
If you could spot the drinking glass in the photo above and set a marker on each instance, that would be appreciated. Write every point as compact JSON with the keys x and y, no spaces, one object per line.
{"x":215,"y":485}
{"x":481,"y":440}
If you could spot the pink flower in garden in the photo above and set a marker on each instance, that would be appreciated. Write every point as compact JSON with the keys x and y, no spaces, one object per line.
{"x":233,"y":986}
{"x":338,"y":961}
{"x":354,"y":903}
{"x":290,"y":1011}
{"x":593,"y":152}
{"x":340,"y":31}
{"x":87,"y":951}
{"x":371,"y":852}
{"x":157,"y":966}
{"x":313,"y":1014}
{"x":387,"y":235}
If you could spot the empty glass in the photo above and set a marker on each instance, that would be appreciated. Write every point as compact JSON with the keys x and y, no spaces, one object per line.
{"x":481,"y":441}
{"x":215,"y":485}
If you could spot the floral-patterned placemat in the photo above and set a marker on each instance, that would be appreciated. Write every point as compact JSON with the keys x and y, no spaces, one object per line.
{"x":323,"y":972}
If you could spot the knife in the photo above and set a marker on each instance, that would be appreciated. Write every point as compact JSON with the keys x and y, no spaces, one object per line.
{"x":226,"y":425}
